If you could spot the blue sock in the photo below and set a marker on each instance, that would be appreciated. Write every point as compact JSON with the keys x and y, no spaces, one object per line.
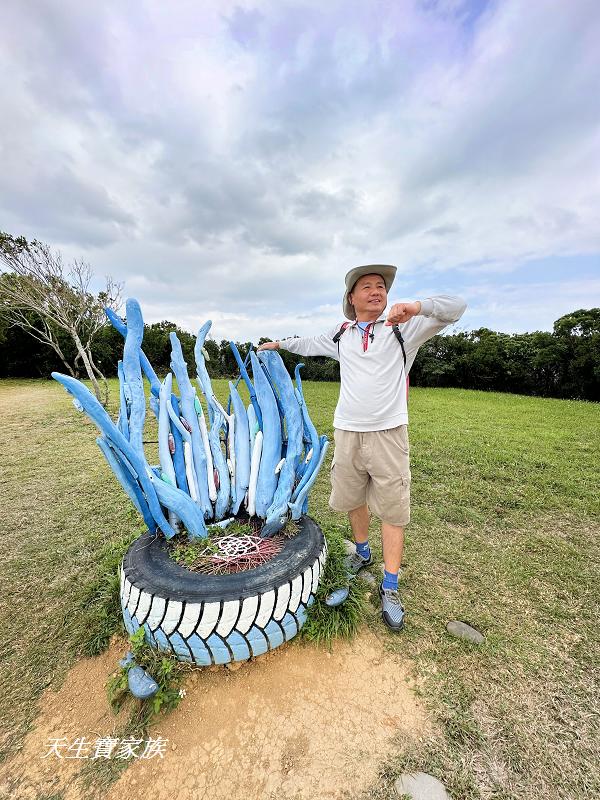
{"x":390,"y":580}
{"x":363,"y":550}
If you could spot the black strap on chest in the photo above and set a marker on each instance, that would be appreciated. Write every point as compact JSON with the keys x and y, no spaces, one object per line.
{"x":395,"y":328}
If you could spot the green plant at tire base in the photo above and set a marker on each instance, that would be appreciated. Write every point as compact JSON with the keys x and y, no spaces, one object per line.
{"x":166,"y":671}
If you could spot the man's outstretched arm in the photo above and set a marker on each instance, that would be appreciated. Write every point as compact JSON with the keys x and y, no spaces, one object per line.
{"x":320,"y":345}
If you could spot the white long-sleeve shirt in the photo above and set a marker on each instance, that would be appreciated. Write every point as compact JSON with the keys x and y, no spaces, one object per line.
{"x":373,"y":381}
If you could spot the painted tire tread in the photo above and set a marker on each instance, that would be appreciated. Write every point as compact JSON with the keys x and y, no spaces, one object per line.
{"x":250,"y":617}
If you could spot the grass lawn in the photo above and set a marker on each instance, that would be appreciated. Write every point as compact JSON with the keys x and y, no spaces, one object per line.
{"x":504,"y":535}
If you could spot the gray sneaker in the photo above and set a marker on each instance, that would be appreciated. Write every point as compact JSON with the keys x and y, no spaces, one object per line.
{"x":355,"y":562}
{"x":392,"y":610}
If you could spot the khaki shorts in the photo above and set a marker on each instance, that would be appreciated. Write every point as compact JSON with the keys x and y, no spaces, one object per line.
{"x":372,"y":467}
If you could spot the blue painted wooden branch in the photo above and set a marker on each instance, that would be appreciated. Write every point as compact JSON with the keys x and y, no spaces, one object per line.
{"x":133,"y":376}
{"x":239,"y":378}
{"x":242,"y":449}
{"x":164,"y":429}
{"x":201,"y":371}
{"x":253,"y":426}
{"x":224,"y":487}
{"x":167,"y":467}
{"x":248,"y":382}
{"x":216,"y":416}
{"x":278,"y":510}
{"x":154,"y":406}
{"x":314,"y":437}
{"x":187,"y":393}
{"x":121,"y":326}
{"x":275,"y":389}
{"x":186,"y":442}
{"x":126,"y":479}
{"x":300,"y":505}
{"x":271,"y":448}
{"x":123,"y":421}
{"x":138,"y":463}
{"x":308,"y":442}
{"x":182,"y":506}
{"x":178,"y":456}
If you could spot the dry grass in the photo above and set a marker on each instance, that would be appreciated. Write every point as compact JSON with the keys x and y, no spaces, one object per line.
{"x":504,"y":535}
{"x":61,"y":511}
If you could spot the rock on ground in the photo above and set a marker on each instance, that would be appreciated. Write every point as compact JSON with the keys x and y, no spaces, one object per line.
{"x":421,"y":786}
{"x":464,"y":631}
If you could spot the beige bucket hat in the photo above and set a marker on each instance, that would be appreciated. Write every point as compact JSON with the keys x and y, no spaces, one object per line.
{"x":387,"y":272}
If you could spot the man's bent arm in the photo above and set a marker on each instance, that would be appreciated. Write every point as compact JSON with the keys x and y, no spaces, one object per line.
{"x":443,"y":308}
{"x":436,"y":313}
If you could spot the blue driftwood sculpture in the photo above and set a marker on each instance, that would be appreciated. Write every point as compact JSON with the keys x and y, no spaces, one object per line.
{"x":261,"y":459}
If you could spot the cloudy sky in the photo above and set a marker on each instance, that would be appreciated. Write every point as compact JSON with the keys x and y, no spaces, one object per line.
{"x":232,"y":160}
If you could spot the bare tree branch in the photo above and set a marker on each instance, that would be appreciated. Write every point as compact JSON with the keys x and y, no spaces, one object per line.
{"x":36,"y":282}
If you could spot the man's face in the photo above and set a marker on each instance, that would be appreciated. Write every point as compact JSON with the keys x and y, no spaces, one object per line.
{"x":369,"y":296}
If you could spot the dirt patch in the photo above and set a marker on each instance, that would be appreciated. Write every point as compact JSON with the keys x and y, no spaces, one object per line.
{"x":297,"y":723}
{"x":79,"y":709}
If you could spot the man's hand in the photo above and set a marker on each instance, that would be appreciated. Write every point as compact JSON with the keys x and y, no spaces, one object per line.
{"x":402,"y":312}
{"x":268,"y":346}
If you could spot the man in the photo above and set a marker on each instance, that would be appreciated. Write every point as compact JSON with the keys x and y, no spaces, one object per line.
{"x":370,"y":468}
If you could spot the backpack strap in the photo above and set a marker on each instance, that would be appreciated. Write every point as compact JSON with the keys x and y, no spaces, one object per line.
{"x":338,"y":335}
{"x":395,"y":328}
{"x":398,"y":335}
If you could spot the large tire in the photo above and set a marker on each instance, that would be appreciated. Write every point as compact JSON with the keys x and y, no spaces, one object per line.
{"x":215,"y":619}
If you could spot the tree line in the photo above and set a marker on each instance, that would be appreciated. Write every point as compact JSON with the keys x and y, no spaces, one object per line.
{"x":564,"y":363}
{"x":51,"y":320}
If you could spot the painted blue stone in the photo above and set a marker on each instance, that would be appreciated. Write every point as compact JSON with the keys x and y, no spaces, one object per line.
{"x":274,"y":634}
{"x":289,"y":626}
{"x":310,"y":600}
{"x":180,"y":647}
{"x":257,"y":640}
{"x":162,"y":641}
{"x":337,"y":597}
{"x":141,"y":685}
{"x":238,"y":645}
{"x":217,"y":647}
{"x":199,"y":651}
{"x":126,"y":660}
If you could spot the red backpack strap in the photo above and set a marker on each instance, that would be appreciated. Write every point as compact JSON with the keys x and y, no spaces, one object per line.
{"x":336,"y":338}
{"x":338,"y":335}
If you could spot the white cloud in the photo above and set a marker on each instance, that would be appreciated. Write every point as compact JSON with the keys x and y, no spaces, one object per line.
{"x":235,"y":159}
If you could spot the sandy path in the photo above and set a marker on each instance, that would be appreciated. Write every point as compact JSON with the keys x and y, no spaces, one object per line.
{"x":294,"y":724}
